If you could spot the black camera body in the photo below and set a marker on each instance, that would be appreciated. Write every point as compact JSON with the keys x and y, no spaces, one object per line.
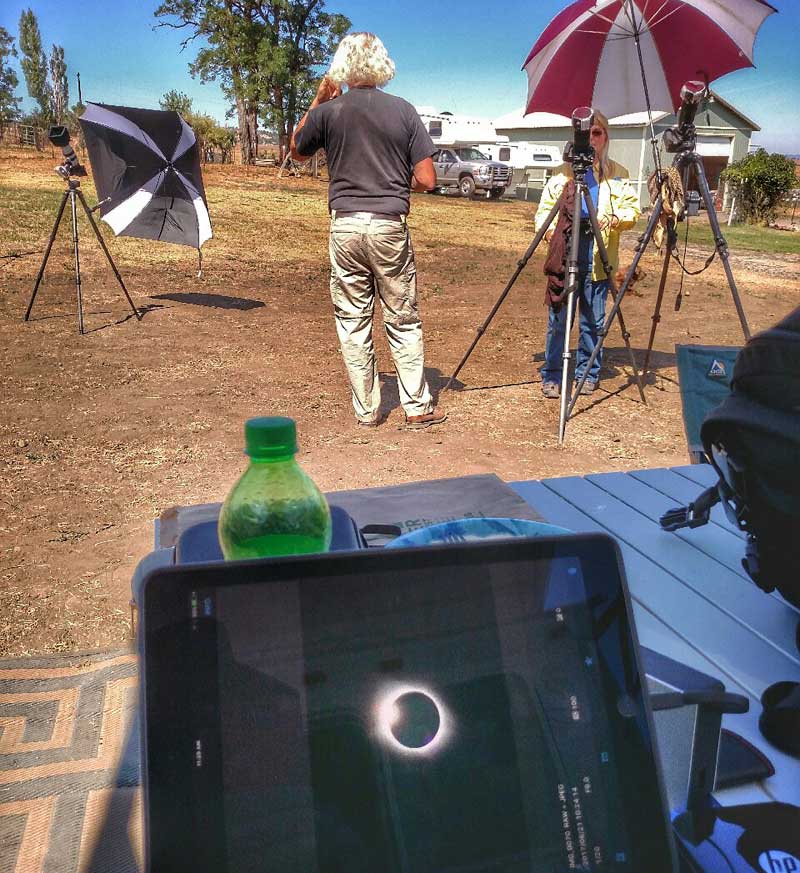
{"x":59,"y":136}
{"x":579,"y":152}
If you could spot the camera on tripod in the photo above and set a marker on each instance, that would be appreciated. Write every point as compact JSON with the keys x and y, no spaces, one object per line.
{"x":59,"y":136}
{"x":682,"y":136}
{"x":579,"y":151}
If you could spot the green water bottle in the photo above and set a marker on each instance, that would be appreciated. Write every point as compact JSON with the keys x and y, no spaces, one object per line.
{"x":274,"y":508}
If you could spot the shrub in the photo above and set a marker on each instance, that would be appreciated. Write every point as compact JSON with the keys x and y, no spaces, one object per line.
{"x":759,"y":181}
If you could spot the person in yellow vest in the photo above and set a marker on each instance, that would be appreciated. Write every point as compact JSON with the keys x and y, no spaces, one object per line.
{"x":617,"y":210}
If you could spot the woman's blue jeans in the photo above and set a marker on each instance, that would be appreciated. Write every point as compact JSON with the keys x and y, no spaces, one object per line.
{"x":591,"y":302}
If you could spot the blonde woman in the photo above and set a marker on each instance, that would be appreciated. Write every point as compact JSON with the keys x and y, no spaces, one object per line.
{"x":617,"y":209}
{"x":378,"y":151}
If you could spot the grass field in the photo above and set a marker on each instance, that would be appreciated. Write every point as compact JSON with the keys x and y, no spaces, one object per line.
{"x":738,"y":236}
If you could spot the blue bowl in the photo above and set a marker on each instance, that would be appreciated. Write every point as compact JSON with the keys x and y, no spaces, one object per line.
{"x":464,"y":530}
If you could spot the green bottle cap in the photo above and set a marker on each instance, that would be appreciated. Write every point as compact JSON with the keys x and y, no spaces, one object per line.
{"x":270,"y":437}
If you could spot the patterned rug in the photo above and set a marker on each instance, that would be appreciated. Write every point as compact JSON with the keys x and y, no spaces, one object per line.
{"x":70,"y":800}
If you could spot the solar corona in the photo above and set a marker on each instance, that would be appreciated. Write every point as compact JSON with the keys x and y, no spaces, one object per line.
{"x":412,"y":720}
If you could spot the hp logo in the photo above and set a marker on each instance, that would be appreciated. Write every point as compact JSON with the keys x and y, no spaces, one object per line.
{"x":778,"y":862}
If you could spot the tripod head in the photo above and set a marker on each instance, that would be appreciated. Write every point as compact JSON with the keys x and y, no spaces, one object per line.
{"x":579,"y":152}
{"x":683,"y":137}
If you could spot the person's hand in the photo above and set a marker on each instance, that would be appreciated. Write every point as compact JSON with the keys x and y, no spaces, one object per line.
{"x":327,"y":90}
{"x":549,"y":235}
{"x":609,"y":221}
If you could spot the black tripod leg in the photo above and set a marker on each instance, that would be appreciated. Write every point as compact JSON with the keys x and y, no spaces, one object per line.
{"x":50,"y":242}
{"x":617,"y":301}
{"x":77,"y":255}
{"x":626,"y":336}
{"x":657,"y":311}
{"x":108,"y":255}
{"x":719,"y":239}
{"x":571,"y":282}
{"x":520,"y":267}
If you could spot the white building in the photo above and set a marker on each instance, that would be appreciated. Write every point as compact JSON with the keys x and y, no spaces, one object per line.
{"x":723,"y":136}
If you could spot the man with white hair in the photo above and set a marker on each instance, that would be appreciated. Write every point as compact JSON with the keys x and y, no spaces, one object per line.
{"x":378,"y":151}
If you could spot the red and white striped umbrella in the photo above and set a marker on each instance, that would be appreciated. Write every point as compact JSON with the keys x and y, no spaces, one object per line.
{"x":589,"y":54}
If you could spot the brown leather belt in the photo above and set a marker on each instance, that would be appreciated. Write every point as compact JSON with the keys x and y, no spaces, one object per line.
{"x":382,"y":216}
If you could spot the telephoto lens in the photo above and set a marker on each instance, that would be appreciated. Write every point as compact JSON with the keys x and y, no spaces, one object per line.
{"x":59,"y":136}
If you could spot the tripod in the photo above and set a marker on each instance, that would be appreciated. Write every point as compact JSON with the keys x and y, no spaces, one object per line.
{"x":581,"y":159}
{"x":73,"y":193}
{"x":683,"y":141}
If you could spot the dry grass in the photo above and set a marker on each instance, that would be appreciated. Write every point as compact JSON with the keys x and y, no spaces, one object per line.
{"x":101,"y":433}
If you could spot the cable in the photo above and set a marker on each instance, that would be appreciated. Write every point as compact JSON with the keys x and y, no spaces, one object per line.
{"x":14,"y":255}
{"x":726,"y":858}
{"x":679,"y":295}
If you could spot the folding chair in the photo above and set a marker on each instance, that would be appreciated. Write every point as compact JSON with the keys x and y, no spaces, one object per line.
{"x":704,"y":373}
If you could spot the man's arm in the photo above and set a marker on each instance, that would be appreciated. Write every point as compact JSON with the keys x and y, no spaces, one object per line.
{"x":326,"y":91}
{"x":424,"y":176}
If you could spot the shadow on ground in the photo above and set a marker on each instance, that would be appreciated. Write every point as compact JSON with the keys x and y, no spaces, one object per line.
{"x":218,"y":301}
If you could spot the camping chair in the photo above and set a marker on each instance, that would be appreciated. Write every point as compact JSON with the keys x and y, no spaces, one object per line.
{"x":704,"y":374}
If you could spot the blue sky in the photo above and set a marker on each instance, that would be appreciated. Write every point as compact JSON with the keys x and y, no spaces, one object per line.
{"x":466,"y":59}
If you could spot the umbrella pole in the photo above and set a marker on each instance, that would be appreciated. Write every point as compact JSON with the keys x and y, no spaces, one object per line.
{"x":659,"y":297}
{"x":107,"y":253}
{"x":520,"y":267}
{"x":653,"y":139}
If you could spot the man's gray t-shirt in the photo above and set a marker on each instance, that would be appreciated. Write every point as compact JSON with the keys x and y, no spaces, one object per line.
{"x":372,"y":141}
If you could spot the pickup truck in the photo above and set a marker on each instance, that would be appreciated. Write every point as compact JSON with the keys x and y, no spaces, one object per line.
{"x":468,"y":169}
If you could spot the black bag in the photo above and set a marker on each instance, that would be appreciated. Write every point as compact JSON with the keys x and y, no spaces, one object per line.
{"x":753,"y":440}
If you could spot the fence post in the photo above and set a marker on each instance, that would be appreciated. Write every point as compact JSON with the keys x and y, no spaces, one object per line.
{"x":733,"y":210}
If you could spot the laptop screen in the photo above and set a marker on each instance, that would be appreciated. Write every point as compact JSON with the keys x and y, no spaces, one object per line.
{"x":454,"y":709}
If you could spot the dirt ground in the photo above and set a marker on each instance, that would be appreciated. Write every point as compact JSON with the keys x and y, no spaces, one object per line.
{"x":100,"y":433}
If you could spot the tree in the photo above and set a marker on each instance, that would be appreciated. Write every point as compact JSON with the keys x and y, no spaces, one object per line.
{"x":222,"y":138}
{"x":263,"y":53}
{"x":202,"y":125}
{"x":230,"y":30}
{"x":311,"y":38}
{"x":759,"y":181}
{"x":9,"y":104}
{"x":59,"y":85}
{"x":176,"y":101}
{"x":34,"y":64}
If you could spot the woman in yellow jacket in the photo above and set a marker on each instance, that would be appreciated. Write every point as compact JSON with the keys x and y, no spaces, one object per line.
{"x":617,"y":209}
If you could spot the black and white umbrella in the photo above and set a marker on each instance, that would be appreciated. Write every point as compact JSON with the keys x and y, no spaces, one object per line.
{"x":146,"y":169}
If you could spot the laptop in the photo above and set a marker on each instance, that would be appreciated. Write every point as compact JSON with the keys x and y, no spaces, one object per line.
{"x":470,"y":707}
